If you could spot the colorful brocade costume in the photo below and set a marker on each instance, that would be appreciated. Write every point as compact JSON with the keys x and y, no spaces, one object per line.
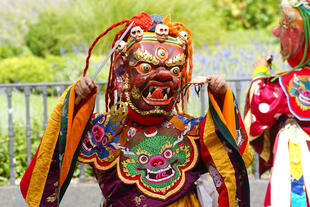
{"x":163,"y":161}
{"x":143,"y":153}
{"x":278,"y":124}
{"x":277,"y":113}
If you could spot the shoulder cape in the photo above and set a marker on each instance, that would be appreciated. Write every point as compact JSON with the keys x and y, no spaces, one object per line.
{"x":50,"y":171}
{"x":225,"y":144}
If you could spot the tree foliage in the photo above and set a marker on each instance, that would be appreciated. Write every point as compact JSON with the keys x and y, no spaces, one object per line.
{"x":77,"y":22}
{"x":83,"y":21}
{"x":247,"y":13}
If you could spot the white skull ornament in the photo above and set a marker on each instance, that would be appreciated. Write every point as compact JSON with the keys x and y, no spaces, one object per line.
{"x":182,"y":38}
{"x":131,"y":133}
{"x":121,"y":48}
{"x":136,"y":33}
{"x":161,"y":31}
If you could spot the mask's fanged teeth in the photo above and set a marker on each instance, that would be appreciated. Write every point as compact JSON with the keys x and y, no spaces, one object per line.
{"x":149,"y":95}
{"x":168,"y":90}
{"x":157,"y":93}
{"x":151,"y":89}
{"x":164,"y":90}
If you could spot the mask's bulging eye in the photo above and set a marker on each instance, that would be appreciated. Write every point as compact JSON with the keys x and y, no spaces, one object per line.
{"x":168,"y":153}
{"x":175,"y":70}
{"x":145,"y":68}
{"x":143,"y":159}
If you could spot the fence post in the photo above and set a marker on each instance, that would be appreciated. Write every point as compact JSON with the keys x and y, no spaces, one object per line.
{"x":82,"y":173}
{"x":11,"y":136}
{"x":98,"y":99}
{"x":203,"y":100}
{"x":256,"y":169}
{"x":62,"y":89}
{"x":28,"y":128}
{"x":238,"y":91}
{"x":44,"y":90}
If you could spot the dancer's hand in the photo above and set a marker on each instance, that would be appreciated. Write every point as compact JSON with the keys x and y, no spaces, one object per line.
{"x":216,"y":84}
{"x":262,"y":62}
{"x":84,"y":87}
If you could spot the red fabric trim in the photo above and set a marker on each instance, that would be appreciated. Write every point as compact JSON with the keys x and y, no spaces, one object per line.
{"x":206,"y":157}
{"x":204,"y":151}
{"x":267,"y":201}
{"x":242,"y":127}
{"x":147,"y":120}
{"x":223,"y":196}
{"x":275,"y":148}
{"x":24,"y":183}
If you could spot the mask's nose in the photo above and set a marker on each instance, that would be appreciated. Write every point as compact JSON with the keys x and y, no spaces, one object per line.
{"x":157,"y":161}
{"x":276,"y":31}
{"x":162,"y":74}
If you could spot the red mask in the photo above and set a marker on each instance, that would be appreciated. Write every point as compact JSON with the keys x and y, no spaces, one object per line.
{"x":151,"y":76}
{"x":150,"y":65}
{"x":291,"y":36}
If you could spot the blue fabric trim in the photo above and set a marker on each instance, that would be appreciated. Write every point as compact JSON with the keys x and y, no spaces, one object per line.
{"x":100,"y":149}
{"x":298,"y":194}
{"x":193,"y":121}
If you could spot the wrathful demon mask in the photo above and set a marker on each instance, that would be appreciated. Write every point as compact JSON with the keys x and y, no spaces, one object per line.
{"x":150,"y":66}
{"x":153,"y":75}
{"x":293,"y":32}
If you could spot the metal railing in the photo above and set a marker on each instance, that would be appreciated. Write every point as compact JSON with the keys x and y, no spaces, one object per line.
{"x":238,"y":85}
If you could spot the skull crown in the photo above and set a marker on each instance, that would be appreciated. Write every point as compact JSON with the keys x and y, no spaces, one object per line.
{"x":161,"y":32}
{"x":121,"y":48}
{"x":182,"y":38}
{"x":136,"y":33}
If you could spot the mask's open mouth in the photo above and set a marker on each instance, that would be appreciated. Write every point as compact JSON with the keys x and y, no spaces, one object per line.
{"x":160,"y":175}
{"x":304,"y":97}
{"x":158,"y":93}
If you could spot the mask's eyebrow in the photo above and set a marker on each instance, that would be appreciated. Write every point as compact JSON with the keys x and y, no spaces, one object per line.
{"x":144,"y":56}
{"x":179,"y":59}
